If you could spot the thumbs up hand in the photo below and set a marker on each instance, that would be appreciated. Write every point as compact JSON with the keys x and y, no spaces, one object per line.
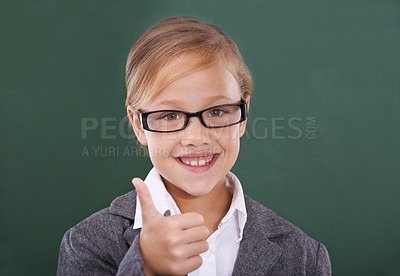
{"x":169,"y":245}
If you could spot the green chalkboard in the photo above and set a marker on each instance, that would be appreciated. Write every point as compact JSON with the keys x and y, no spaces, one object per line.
{"x":322,"y":142}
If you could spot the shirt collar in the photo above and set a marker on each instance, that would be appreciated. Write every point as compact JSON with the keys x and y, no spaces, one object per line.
{"x":237,"y":204}
{"x":163,"y":201}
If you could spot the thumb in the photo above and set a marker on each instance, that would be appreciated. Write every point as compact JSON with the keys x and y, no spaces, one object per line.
{"x":149,"y":211}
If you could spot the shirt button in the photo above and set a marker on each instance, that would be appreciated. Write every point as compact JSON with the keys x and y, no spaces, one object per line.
{"x":206,"y":254}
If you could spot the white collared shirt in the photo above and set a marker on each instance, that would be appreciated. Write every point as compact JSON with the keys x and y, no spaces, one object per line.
{"x":224,"y":243}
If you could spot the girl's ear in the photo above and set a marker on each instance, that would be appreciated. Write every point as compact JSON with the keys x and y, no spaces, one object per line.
{"x":137,"y":127}
{"x":243,"y":124}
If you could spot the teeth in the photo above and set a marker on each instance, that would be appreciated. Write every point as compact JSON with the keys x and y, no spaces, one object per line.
{"x":197,"y":162}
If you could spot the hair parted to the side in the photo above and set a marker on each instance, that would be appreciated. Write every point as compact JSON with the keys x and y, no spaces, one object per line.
{"x":169,"y":41}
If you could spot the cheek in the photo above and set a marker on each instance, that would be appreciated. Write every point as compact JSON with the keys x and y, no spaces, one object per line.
{"x":229,"y":140}
{"x":160,"y":145}
{"x":231,"y":134}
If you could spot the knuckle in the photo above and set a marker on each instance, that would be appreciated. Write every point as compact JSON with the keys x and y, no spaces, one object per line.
{"x":199,"y":218}
{"x":195,"y":217}
{"x":205,"y":231}
{"x":169,"y":223}
{"x":171,"y":241}
{"x":202,"y":232}
{"x":177,"y":254}
{"x":175,"y":269}
{"x":197,"y":261}
{"x":204,"y":246}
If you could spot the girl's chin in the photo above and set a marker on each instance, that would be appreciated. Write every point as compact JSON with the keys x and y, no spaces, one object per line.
{"x":196,"y":189}
{"x":200,"y":186}
{"x":197,"y":192}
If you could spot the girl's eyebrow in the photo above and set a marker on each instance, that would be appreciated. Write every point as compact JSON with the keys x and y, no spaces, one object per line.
{"x":170,"y":103}
{"x":210,"y":99}
{"x":219,"y":97}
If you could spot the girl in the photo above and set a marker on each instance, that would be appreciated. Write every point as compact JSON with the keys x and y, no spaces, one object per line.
{"x":188,"y":95}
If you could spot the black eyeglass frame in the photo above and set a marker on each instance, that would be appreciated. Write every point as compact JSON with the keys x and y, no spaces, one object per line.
{"x":143,"y":117}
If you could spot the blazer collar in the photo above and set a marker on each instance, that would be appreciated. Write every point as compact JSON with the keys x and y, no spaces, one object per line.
{"x":257,"y":253}
{"x":125,"y":206}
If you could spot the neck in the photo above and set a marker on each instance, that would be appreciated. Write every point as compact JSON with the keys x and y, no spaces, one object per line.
{"x":212,"y":206}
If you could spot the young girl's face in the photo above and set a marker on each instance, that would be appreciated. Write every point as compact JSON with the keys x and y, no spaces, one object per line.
{"x":195,"y":160}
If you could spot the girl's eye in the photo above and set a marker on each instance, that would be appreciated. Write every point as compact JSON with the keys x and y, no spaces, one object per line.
{"x":216,"y":112}
{"x":171,"y":116}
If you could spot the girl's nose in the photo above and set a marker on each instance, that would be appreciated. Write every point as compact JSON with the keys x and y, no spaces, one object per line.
{"x":195,"y":133}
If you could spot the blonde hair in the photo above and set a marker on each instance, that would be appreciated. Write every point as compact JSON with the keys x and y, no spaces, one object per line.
{"x":169,"y":41}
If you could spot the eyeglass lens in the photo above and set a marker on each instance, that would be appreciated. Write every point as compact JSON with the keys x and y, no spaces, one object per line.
{"x":219,"y":116}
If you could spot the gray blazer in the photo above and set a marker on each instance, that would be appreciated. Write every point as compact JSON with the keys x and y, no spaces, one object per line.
{"x":106,"y":244}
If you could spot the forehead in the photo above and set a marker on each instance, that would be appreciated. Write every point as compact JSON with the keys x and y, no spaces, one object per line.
{"x":185,"y":84}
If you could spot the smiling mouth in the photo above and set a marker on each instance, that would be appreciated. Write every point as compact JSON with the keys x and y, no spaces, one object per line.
{"x":197,"y":161}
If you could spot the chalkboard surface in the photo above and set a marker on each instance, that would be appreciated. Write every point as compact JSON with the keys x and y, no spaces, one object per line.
{"x":322,"y":142}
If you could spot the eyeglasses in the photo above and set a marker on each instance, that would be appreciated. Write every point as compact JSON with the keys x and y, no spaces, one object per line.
{"x":174,"y":120}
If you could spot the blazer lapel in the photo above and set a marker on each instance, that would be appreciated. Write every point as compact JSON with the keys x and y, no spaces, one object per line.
{"x":130,"y":234}
{"x":257,"y":253}
{"x":125,"y":206}
{"x":256,"y":256}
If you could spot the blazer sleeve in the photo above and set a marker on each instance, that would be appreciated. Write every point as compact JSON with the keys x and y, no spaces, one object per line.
{"x":323,"y":263}
{"x":94,"y":247}
{"x":79,"y":255}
